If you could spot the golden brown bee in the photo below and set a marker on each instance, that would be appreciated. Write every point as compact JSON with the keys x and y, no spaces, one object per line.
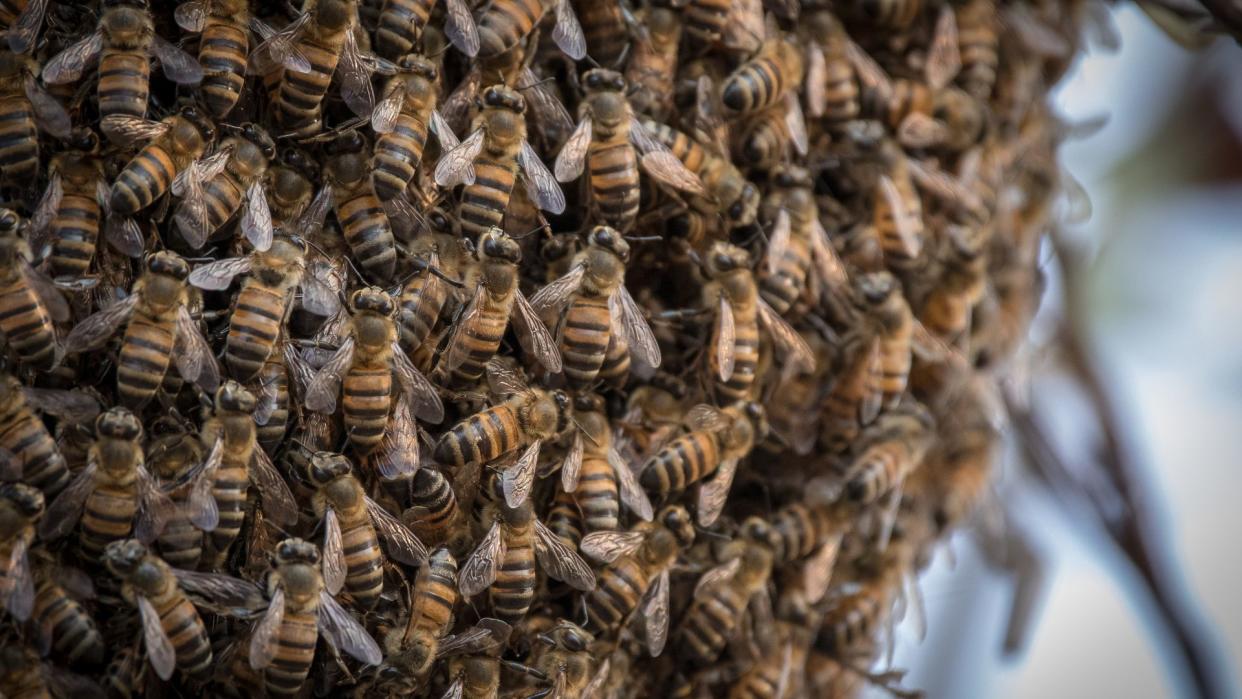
{"x":403,"y":119}
{"x":946,"y":311}
{"x":172,"y":455}
{"x":856,"y":397}
{"x":359,"y":211}
{"x":123,"y":43}
{"x":425,"y":294}
{"x":223,"y":47}
{"x":832,"y":87}
{"x":565,"y":518}
{"x":637,"y":574}
{"x":401,"y":24}
{"x":213,"y":189}
{"x":29,"y":301}
{"x":505,"y":24}
{"x":21,"y":508}
{"x":780,"y":670}
{"x":762,"y":81}
{"x":290,"y":189}
{"x":596,"y":474}
{"x":413,"y":650}
{"x":880,"y":298}
{"x":354,"y":524}
{"x":728,"y":192}
{"x":433,"y":513}
{"x":707,"y":21}
{"x":898,"y":212}
{"x":158,"y":331}
{"x":36,"y":458}
{"x":978,"y":37}
{"x":653,"y":62}
{"x":770,"y":135}
{"x":475,"y":668}
{"x":361,"y":373}
{"x":720,"y":600}
{"x":172,"y":145}
{"x":26,"y":108}
{"x":891,"y":450}
{"x":72,"y":206}
{"x":300,"y":608}
{"x":562,"y":657}
{"x":605,"y":29}
{"x":803,"y":531}
{"x":61,"y":621}
{"x":798,"y":246}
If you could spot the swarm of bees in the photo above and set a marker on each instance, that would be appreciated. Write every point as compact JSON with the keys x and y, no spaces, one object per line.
{"x":303,"y":395}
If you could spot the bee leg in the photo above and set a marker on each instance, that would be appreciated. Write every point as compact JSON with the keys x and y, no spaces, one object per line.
{"x":525,"y":669}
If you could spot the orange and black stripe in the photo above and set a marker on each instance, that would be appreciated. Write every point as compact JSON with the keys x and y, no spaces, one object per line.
{"x":614,"y":181}
{"x":271,"y":434}
{"x":75,"y":232}
{"x":295,"y":649}
{"x":108,"y":516}
{"x":145,"y":354}
{"x":364,"y":566}
{"x":145,"y":179}
{"x":585,"y":333}
{"x":683,"y":462}
{"x":597,"y":494}
{"x":505,"y":23}
{"x":366,"y":228}
{"x":514,"y":589}
{"x":229,"y":488}
{"x":481,"y":438}
{"x":254,"y":327}
{"x":397,"y":155}
{"x":19,"y":139}
{"x":480,"y":341}
{"x":124,"y":82}
{"x":483,"y":203}
{"x":43,"y":466}
{"x":421,"y":304}
{"x":366,"y":399}
{"x":73,"y":631}
{"x":26,"y":323}
{"x":400,"y":25}
{"x":223,"y":47}
{"x":185,"y":630}
{"x":621,"y":586}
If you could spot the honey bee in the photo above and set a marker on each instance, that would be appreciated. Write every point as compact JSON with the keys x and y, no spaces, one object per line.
{"x":609,"y":140}
{"x":402,"y":119}
{"x":71,"y":208}
{"x":563,"y":659}
{"x":158,"y":331}
{"x":653,"y":62}
{"x":424,"y":296}
{"x":172,"y":145}
{"x":172,"y":457}
{"x":831,"y":84}
{"x":475,"y":669}
{"x":780,"y":670}
{"x":24,"y":675}
{"x":361,"y":372}
{"x":597,"y":474}
{"x":637,"y":574}
{"x":21,"y":509}
{"x":401,"y":24}
{"x":504,"y":560}
{"x":763,"y":81}
{"x":799,"y":245}
{"x":810,"y":532}
{"x":29,"y":301}
{"x":728,"y":192}
{"x":354,"y":524}
{"x":488,"y":161}
{"x":707,"y":21}
{"x":497,"y":301}
{"x":26,"y":108}
{"x":504,"y":24}
{"x":300,"y":609}
{"x":880,"y":294}
{"x":894,"y":448}
{"x":413,"y":650}
{"x":367,"y":229}
{"x":720,"y":602}
{"x":565,"y":518}
{"x":856,"y":397}
{"x":979,"y":42}
{"x":35,"y":456}
{"x":123,"y":43}
{"x":770,"y":135}
{"x":290,"y":192}
{"x":61,"y":622}
{"x":946,"y":311}
{"x":213,"y":189}
{"x":114,"y":496}
{"x":898,"y":212}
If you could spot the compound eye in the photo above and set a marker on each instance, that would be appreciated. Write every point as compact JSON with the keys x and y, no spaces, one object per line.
{"x":592,"y":80}
{"x":723,"y":261}
{"x":575,"y":643}
{"x":736,"y":210}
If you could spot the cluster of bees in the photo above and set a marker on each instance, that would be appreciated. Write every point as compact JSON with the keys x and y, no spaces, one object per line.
{"x":299,"y":399}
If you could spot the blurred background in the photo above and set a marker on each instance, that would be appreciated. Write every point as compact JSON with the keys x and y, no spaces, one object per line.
{"x":1162,"y":312}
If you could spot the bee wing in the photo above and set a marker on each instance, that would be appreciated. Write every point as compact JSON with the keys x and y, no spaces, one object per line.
{"x":817,"y":571}
{"x":907,"y":231}
{"x":572,"y":158}
{"x":828,"y":264}
{"x":442,"y":130}
{"x":598,"y":679}
{"x":456,"y":107}
{"x":384,"y":116}
{"x":660,"y":163}
{"x":726,"y":340}
{"x":300,"y":373}
{"x":481,"y":638}
{"x":263,"y":640}
{"x":655,"y":615}
{"x":203,"y":512}
{"x":714,"y":493}
{"x":480,"y":569}
{"x":179,"y":66}
{"x":457,"y":689}
{"x":571,"y":469}
{"x":503,"y":381}
{"x":541,"y":186}
{"x":129,"y":130}
{"x":454,"y":356}
{"x":534,"y":337}
{"x":944,"y":186}
{"x":870,"y":74}
{"x":342,"y":631}
{"x":517,"y":480}
{"x":50,"y":115}
{"x":421,"y":394}
{"x":311,"y":219}
{"x":401,"y":543}
{"x":549,"y":110}
{"x":45,"y":213}
{"x":717,"y":575}
{"x":873,"y":399}
{"x":778,"y":240}
{"x":629,"y":319}
{"x":706,"y":418}
{"x":123,"y":234}
{"x":459,"y":27}
{"x":46,"y":291}
{"x":26,"y":27}
{"x":1034,"y":33}
{"x":457,"y":165}
{"x":398,"y":452}
{"x":268,"y":400}
{"x":944,"y":58}
{"x":816,"y":80}
{"x":279,"y":48}
{"x":155,"y":508}
{"x":159,"y":648}
{"x":797,"y":352}
{"x":557,"y":293}
{"x":66,"y":509}
{"x":322,"y":392}
{"x":17,"y":586}
{"x":278,"y":502}
{"x":631,"y":492}
{"x":568,"y":32}
{"x":560,"y":561}
{"x":355,"y":75}
{"x":225,"y":594}
{"x":795,"y":124}
{"x":607,"y":547}
{"x":94,"y":331}
{"x":68,"y":65}
{"x":69,"y":406}
{"x":218,"y":275}
{"x":317,"y":297}
{"x":257,"y":220}
{"x":191,"y":16}
{"x":918,"y":130}
{"x":333,"y":552}
{"x":194,"y":359}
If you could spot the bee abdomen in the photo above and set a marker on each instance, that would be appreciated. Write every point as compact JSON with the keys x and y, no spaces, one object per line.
{"x":181,"y":543}
{"x":710,"y":624}
{"x":479,"y":341}
{"x":75,"y":232}
{"x":124,"y":83}
{"x":605,"y":30}
{"x":565,"y":518}
{"x":107,"y":516}
{"x":584,"y":339}
{"x":145,"y":354}
{"x":295,"y":649}
{"x":745,"y":363}
{"x":483,"y":203}
{"x":479,"y":439}
{"x":616,"y":366}
{"x":363,"y":565}
{"x":614,"y":183}
{"x":682,"y":463}
{"x":397,"y":155}
{"x":756,"y":85}
{"x":19,"y":140}
{"x":431,"y":491}
{"x":597,"y":495}
{"x":366,"y":398}
{"x":299,"y":95}
{"x":143,"y":180}
{"x":505,"y":23}
{"x":400,"y":25}
{"x":73,"y":630}
{"x":514,"y":589}
{"x":620,"y":588}
{"x":367,"y":232}
{"x":840,"y":93}
{"x":254,"y":327}
{"x":849,"y":621}
{"x":188,"y":635}
{"x":26,"y":324}
{"x":420,"y":309}
{"x":229,"y":489}
{"x":223,"y":47}
{"x":43,"y":466}
{"x":706,"y":20}
{"x":222,"y":198}
{"x":272,"y":433}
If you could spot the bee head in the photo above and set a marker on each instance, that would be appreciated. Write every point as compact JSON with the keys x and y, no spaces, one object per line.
{"x":296,"y":551}
{"x":195,"y":116}
{"x":348,"y":142}
{"x":260,"y":138}
{"x":118,"y":423}
{"x":609,"y":239}
{"x":677,"y":520}
{"x":876,"y":287}
{"x":758,"y":418}
{"x":599,"y":79}
{"x":28,"y":500}
{"x":724,"y":258}
{"x":10,"y":222}
{"x":439,"y":221}
{"x":124,"y":556}
{"x":497,"y":244}
{"x":325,"y":467}
{"x":564,"y":409}
{"x":415,"y":64}
{"x":758,"y":529}
{"x":790,"y":176}
{"x":168,"y":264}
{"x":742,"y":211}
{"x":372,"y":299}
{"x":570,"y":636}
{"x":503,"y":97}
{"x":234,"y":397}
{"x":84,"y":139}
{"x":299,"y":160}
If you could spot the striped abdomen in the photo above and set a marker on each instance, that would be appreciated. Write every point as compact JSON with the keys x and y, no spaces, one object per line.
{"x":366,"y":227}
{"x":585,"y":332}
{"x":397,"y":154}
{"x":400,"y":24}
{"x":977,"y":40}
{"x":756,"y":85}
{"x":514,"y":589}
{"x":746,"y":359}
{"x":19,"y":140}
{"x":505,"y":23}
{"x":764,"y":680}
{"x":75,"y":232}
{"x":72,"y":629}
{"x":597,"y":494}
{"x":478,"y":342}
{"x":605,"y":30}
{"x":272,"y":433}
{"x":683,"y":462}
{"x":687,"y":151}
{"x":364,"y":565}
{"x":222,"y":50}
{"x":565,"y":518}
{"x":108,"y":516}
{"x":186,"y":632}
{"x":300,"y":95}
{"x":800,"y":530}
{"x":840,"y":91}
{"x":145,"y":355}
{"x":42,"y":464}
{"x":26,"y":324}
{"x":145,"y":179}
{"x":295,"y":649}
{"x":783,"y":288}
{"x":706,"y":19}
{"x":853,"y":619}
{"x":614,"y":182}
{"x":124,"y":82}
{"x":620,"y":588}
{"x":181,"y":543}
{"x":483,"y":203}
{"x":229,"y":489}
{"x":432,"y":493}
{"x":616,"y":367}
{"x":254,"y":328}
{"x":222,"y":197}
{"x":435,"y":594}
{"x":764,"y":139}
{"x":895,"y":358}
{"x":480,"y":438}
{"x":366,"y":399}
{"x":878,"y":471}
{"x":421,"y":305}
{"x":710,"y":623}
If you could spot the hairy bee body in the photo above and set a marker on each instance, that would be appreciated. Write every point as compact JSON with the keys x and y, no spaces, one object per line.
{"x":75,"y":229}
{"x":364,"y":562}
{"x":514,"y":590}
{"x":109,"y":514}
{"x":125,"y":64}
{"x":422,"y":301}
{"x":597,"y":494}
{"x":781,"y":287}
{"x":398,"y":152}
{"x":19,"y":136}
{"x":149,"y":174}
{"x":298,"y":101}
{"x":148,"y":343}
{"x":262,"y":306}
{"x":483,"y":203}
{"x":232,"y":479}
{"x":181,"y":543}
{"x":72,"y":629}
{"x":24,"y":320}
{"x":740,"y":287}
{"x":222,"y":52}
{"x":854,"y":618}
{"x":716,"y":612}
{"x":367,"y":393}
{"x":367,"y":230}
{"x":762,"y":81}
{"x":604,"y":28}
{"x":729,"y":193}
{"x":431,"y":615}
{"x":433,"y":506}
{"x":481,"y":438}
{"x":223,"y":195}
{"x":979,"y":44}
{"x":624,"y":582}
{"x":507,"y":22}
{"x":25,"y":435}
{"x":902,"y":441}
{"x":653,"y":63}
{"x":683,"y":462}
{"x":275,"y":379}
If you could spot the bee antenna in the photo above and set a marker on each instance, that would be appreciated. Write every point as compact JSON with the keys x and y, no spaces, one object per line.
{"x":711,"y":534}
{"x":536,"y":229}
{"x":582,"y":431}
{"x":537,"y":83}
{"x":645,"y":238}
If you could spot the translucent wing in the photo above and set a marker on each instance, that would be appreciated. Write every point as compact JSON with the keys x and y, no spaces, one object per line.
{"x":333,"y":552}
{"x":869,"y":73}
{"x":129,"y":130}
{"x":397,"y":455}
{"x":944,"y":59}
{"x":322,"y":392}
{"x":66,"y":509}
{"x":422,"y":396}
{"x":123,"y":234}
{"x":257,"y":220}
{"x":355,"y":75}
{"x":903,"y":222}
{"x":706,"y":417}
{"x":561,"y":562}
{"x":551,"y":114}
{"x":263,"y":641}
{"x":179,"y":66}
{"x":457,"y":166}
{"x":607,"y":547}
{"x":919,"y":130}
{"x":726,"y":340}
{"x":568,"y":32}
{"x":223,"y":593}
{"x":873,"y":398}
{"x":159,"y":648}
{"x":828,"y":264}
{"x":503,"y":381}
{"x":571,"y":469}
{"x":1032,"y":31}
{"x":572,"y":158}
{"x":778,"y":241}
{"x":444,"y":133}
{"x":24,"y":30}
{"x":717,"y":575}
{"x":598,"y":679}
{"x":300,"y":373}
{"x":541,"y":186}
{"x":795,"y":124}
{"x":155,"y":508}
{"x":310,"y":221}
{"x":517,"y":480}
{"x":194,"y":360}
{"x":660,"y":163}
{"x":456,"y":107}
{"x":629,"y":319}
{"x":714,"y":493}
{"x":534,"y":337}
{"x":68,"y":65}
{"x":817,"y":571}
{"x":204,"y":512}
{"x":557,"y":293}
{"x":94,"y":331}
{"x":457,"y":689}
{"x":342,"y":631}
{"x":278,"y":502}
{"x":47,"y":292}
{"x":455,"y":353}
{"x":402,"y":544}
{"x":218,"y":275}
{"x":816,"y":80}
{"x":45,"y":213}
{"x":18,"y":583}
{"x":191,"y":16}
{"x":476,"y":639}
{"x":279,"y":48}
{"x":631,"y":492}
{"x":459,"y":27}
{"x":655,"y":615}
{"x":384,"y":117}
{"x":50,"y":115}
{"x":70,"y":406}
{"x":797,"y":352}
{"x":480,"y":569}
{"x":318,"y":297}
